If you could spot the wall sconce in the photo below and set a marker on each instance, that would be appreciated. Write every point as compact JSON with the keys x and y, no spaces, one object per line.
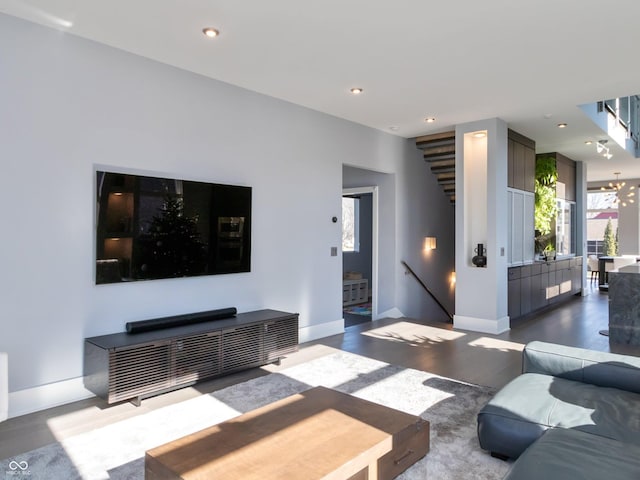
{"x":452,"y":278}
{"x":429,"y":243}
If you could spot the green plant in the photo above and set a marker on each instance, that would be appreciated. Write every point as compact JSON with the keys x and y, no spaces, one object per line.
{"x":609,"y":245}
{"x":545,"y":194}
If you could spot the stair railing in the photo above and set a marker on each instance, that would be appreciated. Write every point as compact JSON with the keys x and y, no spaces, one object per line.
{"x":411,"y":272}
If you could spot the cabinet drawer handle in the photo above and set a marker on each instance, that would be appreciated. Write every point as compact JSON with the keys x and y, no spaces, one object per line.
{"x":403,"y":457}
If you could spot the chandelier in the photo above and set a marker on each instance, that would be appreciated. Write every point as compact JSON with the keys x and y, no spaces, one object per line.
{"x":621,"y":197}
{"x":603,"y":149}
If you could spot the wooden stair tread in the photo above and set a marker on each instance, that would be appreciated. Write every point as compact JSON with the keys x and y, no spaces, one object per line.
{"x":435,"y":151}
{"x":451,"y":181}
{"x":438,"y":158}
{"x":439,"y":151}
{"x":434,"y":137}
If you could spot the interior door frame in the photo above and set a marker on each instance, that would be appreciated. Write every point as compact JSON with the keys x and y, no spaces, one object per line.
{"x":373,"y":190}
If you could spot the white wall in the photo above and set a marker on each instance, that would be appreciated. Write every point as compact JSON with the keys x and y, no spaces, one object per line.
{"x":71,"y":105}
{"x":424,"y":210}
{"x":481,"y":300}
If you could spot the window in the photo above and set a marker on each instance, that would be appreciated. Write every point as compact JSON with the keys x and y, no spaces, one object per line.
{"x":565,"y":228}
{"x":350,"y":224}
{"x":602,"y":207}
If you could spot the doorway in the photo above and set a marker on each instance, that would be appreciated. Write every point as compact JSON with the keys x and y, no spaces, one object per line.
{"x":359,"y":254}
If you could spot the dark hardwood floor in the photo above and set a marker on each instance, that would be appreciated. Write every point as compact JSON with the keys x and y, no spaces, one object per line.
{"x":351,"y":319}
{"x":483,"y":359}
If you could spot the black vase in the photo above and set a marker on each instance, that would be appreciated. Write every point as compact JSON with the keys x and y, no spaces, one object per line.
{"x":480,"y":260}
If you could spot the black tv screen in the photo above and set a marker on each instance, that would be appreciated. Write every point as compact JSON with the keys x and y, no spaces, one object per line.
{"x":151,"y":228}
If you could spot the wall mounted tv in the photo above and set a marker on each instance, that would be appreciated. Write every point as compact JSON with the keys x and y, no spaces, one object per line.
{"x":150,"y":228}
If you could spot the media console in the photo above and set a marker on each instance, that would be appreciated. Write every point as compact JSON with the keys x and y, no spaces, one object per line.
{"x":134,"y":366}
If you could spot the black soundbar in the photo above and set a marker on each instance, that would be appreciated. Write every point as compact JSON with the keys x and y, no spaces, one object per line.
{"x":179,"y":320}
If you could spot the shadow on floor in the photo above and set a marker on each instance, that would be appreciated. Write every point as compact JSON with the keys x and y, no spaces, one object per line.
{"x":350,"y":319}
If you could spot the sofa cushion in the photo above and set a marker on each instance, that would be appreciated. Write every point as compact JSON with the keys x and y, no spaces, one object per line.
{"x":571,"y":454}
{"x":587,"y":366}
{"x":532,"y":403}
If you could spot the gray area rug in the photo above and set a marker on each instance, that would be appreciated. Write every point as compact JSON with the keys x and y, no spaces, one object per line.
{"x":117,"y":451}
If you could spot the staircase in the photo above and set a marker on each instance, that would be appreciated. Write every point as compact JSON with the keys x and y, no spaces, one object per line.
{"x":439,"y":151}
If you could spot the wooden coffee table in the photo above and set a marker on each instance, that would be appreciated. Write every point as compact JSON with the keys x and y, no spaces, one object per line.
{"x":317,"y":434}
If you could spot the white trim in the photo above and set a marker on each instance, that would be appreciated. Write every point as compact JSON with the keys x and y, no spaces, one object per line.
{"x":313,"y":332}
{"x":483,"y":325}
{"x":51,"y":395}
{"x":4,"y":386}
{"x":373,"y":190}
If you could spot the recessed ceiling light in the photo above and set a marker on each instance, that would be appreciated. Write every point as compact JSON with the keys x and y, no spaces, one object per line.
{"x":210,"y":32}
{"x":394,"y":128}
{"x":480,"y":134}
{"x":430,"y":119}
{"x":357,"y":90}
{"x":562,"y":125}
{"x":588,"y":142}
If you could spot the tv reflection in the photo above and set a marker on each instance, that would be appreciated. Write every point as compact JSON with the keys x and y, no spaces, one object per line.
{"x":152,"y":228}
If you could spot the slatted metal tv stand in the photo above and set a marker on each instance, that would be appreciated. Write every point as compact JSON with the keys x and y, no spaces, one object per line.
{"x":125,"y":366}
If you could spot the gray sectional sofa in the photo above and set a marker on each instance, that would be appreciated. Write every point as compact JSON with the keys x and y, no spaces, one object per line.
{"x":573,"y":413}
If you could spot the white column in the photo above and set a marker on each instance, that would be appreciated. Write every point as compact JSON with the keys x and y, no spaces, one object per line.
{"x":481,"y":217}
{"x":581,"y":220}
{"x":4,"y":386}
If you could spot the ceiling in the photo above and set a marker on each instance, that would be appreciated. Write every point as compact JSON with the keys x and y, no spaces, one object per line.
{"x":530,"y":63}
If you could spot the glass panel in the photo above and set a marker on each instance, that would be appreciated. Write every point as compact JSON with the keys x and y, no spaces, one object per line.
{"x":620,"y":108}
{"x":565,"y":228}
{"x":602,"y":208}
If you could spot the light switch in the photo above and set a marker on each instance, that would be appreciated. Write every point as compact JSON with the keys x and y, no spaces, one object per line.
{"x":502,"y":251}
{"x":334,"y":251}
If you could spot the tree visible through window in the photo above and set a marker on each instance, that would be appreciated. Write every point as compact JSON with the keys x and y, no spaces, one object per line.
{"x":350,"y":224}
{"x":602,"y":208}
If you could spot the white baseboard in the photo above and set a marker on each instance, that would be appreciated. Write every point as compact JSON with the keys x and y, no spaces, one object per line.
{"x":42,"y":397}
{"x":4,"y":386}
{"x":313,"y":332}
{"x":52,"y":395}
{"x":482,"y":325}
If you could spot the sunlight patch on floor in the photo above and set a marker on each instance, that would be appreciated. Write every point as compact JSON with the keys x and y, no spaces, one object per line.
{"x":94,"y":453}
{"x":495,"y":344}
{"x":413,"y":334}
{"x":83,"y":420}
{"x":435,"y":386}
{"x":60,"y":425}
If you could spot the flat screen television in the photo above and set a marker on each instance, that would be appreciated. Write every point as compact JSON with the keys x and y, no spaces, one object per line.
{"x":151,"y":228}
